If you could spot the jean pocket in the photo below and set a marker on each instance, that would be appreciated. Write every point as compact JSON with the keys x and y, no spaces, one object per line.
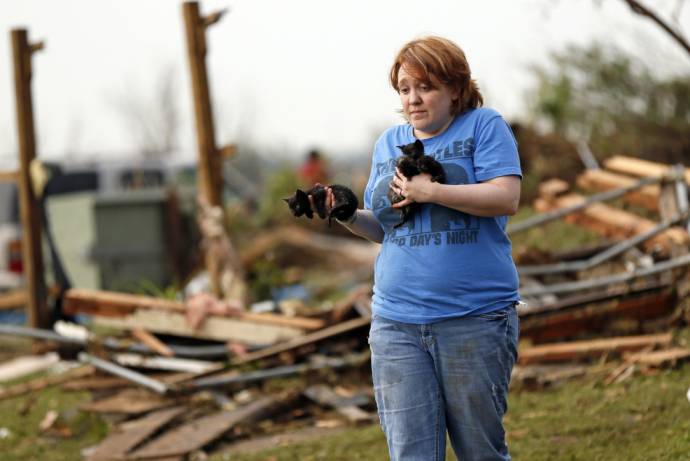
{"x":499,"y":314}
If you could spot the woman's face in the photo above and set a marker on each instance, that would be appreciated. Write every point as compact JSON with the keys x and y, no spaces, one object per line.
{"x":426,"y":106}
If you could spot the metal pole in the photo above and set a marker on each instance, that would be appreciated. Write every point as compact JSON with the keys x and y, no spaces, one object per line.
{"x":125,"y":373}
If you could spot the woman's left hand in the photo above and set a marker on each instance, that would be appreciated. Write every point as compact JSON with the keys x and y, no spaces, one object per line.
{"x":418,"y":189}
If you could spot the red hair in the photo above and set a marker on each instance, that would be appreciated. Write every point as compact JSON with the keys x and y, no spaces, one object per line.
{"x":436,"y":58}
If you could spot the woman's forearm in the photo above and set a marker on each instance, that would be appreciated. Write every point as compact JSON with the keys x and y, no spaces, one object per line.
{"x":366,"y":225}
{"x":497,"y":197}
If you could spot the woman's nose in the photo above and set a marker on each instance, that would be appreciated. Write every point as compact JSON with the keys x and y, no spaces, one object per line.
{"x":414,"y":97}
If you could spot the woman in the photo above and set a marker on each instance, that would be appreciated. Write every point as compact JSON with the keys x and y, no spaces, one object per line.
{"x":444,"y":327}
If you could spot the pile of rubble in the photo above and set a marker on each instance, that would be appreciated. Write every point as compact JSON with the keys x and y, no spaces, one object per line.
{"x":607,"y":309}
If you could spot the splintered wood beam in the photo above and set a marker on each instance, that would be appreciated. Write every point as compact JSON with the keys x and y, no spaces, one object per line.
{"x":199,"y":432}
{"x":640,"y":168}
{"x":214,"y":327}
{"x":587,"y":350}
{"x":112,"y":304}
{"x":42,"y":383}
{"x":601,"y":180}
{"x":612,"y":222}
{"x":32,"y":255}
{"x":132,"y":433}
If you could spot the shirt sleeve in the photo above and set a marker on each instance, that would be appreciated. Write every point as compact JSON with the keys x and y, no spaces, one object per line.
{"x":496,"y":152}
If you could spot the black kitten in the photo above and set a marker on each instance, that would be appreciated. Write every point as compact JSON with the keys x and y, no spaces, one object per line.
{"x":412,"y":163}
{"x":345,"y":205}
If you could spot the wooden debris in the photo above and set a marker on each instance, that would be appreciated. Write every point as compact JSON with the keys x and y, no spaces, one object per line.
{"x":666,"y":357}
{"x":345,"y":305}
{"x":132,"y":433}
{"x":151,"y":341}
{"x":639,"y":167}
{"x":646,"y":196}
{"x":328,"y":332}
{"x":555,"y":325}
{"x":111,"y":304}
{"x":323,"y":395}
{"x":216,"y":328}
{"x":579,"y":350}
{"x":22,"y":366}
{"x":129,"y":401}
{"x":541,"y":376}
{"x":42,"y":383}
{"x":612,"y":222}
{"x":196,"y":434}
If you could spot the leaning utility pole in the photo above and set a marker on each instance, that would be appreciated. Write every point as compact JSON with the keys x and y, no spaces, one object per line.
{"x":222,"y":262}
{"x":32,"y":256}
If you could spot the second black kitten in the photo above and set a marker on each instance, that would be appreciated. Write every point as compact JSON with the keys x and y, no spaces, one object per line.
{"x":345,"y":205}
{"x":413,"y":162}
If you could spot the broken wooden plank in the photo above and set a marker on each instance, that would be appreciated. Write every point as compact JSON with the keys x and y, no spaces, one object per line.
{"x":42,"y":383}
{"x":323,"y":395}
{"x":578,"y":350}
{"x":640,"y":168}
{"x":129,"y":401}
{"x":541,"y":376}
{"x":26,"y":365}
{"x":196,"y":434}
{"x":601,"y":180}
{"x":612,"y":222}
{"x":151,"y":341}
{"x":132,"y":433}
{"x":661,"y":358}
{"x":107,"y":303}
{"x":325,"y":333}
{"x":214,"y":327}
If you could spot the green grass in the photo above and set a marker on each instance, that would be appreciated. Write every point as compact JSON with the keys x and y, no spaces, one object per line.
{"x":21,"y":416}
{"x":644,"y":418}
{"x":641,"y":419}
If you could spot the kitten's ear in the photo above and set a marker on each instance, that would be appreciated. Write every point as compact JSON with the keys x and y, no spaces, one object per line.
{"x":300,"y":193}
{"x":286,"y":200}
{"x":402,"y":148}
{"x":419,"y":145}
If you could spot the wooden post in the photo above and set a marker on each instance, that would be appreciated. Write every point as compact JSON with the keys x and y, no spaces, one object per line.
{"x":31,"y":223}
{"x":209,"y":161}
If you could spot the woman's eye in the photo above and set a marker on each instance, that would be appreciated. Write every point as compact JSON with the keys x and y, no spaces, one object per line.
{"x":404,"y":90}
{"x":424,"y":87}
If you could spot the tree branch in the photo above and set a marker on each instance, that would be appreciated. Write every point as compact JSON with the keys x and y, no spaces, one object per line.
{"x":640,"y":9}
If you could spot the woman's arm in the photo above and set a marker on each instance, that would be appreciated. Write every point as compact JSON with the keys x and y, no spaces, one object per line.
{"x":363,"y":222}
{"x":496,"y":197}
{"x":365,"y":225}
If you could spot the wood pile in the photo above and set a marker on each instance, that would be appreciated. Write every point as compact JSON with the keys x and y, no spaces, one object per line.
{"x":617,"y":300}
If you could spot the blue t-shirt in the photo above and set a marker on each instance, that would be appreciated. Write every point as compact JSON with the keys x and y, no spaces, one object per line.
{"x":444,"y":263}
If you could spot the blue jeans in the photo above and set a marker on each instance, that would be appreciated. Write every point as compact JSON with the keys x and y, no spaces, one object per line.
{"x":449,"y":376}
